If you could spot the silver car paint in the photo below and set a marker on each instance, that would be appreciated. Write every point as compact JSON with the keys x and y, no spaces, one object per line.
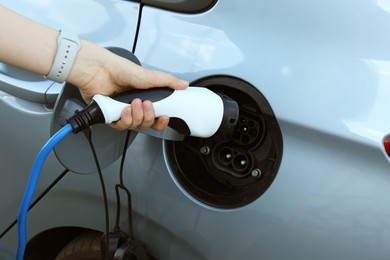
{"x":324,"y":68}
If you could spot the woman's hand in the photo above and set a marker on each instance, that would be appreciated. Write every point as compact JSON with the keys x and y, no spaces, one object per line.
{"x":99,"y":71}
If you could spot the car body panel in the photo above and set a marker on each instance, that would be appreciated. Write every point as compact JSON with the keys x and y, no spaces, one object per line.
{"x":324,"y":68}
{"x":324,"y":71}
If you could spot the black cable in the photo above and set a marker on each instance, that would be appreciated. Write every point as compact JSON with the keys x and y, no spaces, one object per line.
{"x":129,"y":210}
{"x":126,"y":144}
{"x":123,"y":187}
{"x":141,"y":5}
{"x":88,"y":135}
{"x":133,"y":248}
{"x":124,"y":157}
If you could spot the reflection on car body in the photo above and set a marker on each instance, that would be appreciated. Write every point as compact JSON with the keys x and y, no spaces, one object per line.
{"x":322,"y":69}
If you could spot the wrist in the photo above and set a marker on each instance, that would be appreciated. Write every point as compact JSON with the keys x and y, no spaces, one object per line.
{"x":84,"y":64}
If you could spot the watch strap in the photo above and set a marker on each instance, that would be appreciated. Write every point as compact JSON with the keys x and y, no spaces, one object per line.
{"x":68,"y":45}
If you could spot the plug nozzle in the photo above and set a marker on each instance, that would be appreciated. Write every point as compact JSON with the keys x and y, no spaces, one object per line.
{"x":230,"y":114}
{"x":92,"y":114}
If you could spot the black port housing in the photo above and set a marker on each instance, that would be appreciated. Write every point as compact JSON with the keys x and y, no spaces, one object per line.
{"x":230,"y":169}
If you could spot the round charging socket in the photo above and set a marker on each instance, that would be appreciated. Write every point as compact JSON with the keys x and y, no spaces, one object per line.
{"x":230,"y":170}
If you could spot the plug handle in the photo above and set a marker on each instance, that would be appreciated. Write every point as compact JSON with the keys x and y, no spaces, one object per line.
{"x":195,"y":111}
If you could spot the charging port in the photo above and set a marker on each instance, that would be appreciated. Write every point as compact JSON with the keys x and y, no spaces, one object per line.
{"x":230,"y":169}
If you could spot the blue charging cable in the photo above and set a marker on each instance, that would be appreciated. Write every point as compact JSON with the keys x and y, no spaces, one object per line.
{"x":90,"y":115}
{"x":32,"y":183}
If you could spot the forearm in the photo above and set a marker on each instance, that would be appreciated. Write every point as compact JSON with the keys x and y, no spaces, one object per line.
{"x":25,"y":43}
{"x":30,"y":45}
